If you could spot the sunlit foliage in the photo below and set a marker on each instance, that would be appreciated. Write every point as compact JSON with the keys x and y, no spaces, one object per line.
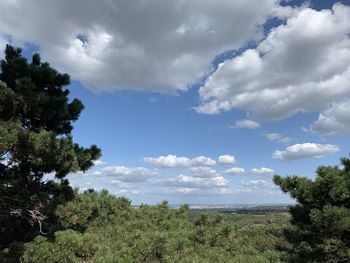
{"x":101,"y":228}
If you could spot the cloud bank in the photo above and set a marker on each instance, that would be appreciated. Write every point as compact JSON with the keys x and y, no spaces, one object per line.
{"x":158,"y":45}
{"x":301,"y":66}
{"x":167,"y":46}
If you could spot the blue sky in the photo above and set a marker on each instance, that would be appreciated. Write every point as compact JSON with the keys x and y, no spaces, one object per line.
{"x":196,"y":102}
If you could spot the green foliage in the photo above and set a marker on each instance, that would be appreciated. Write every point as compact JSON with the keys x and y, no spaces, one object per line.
{"x":320,"y":230}
{"x":35,"y":139}
{"x":103,"y":228}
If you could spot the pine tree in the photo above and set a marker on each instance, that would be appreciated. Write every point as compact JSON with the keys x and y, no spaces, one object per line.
{"x":36,"y":119}
{"x":320,"y":221}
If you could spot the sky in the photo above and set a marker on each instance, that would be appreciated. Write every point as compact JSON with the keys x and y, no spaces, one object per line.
{"x":197,"y":101}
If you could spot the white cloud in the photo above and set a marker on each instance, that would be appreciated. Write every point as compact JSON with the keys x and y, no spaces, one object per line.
{"x":262,"y":170}
{"x":98,"y":179}
{"x":301,"y":66}
{"x":168,"y":47}
{"x":234,"y":171}
{"x":168,"y":161}
{"x":203,"y":171}
{"x":121,"y":184}
{"x":261,"y":186}
{"x":333,"y":121}
{"x":171,"y":161}
{"x":128,"y":174}
{"x":227,"y":159}
{"x":305,"y":150}
{"x":276,"y":137}
{"x":99,"y":162}
{"x":123,"y":188}
{"x":249,"y":124}
{"x":192,"y":181}
{"x":202,"y":160}
{"x":255,"y":184}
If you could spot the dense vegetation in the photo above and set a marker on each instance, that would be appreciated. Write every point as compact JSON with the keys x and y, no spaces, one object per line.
{"x":103,"y":228}
{"x":47,"y":221}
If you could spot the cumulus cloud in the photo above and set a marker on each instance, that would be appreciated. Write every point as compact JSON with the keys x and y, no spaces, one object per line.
{"x":301,"y":66}
{"x":248,"y":124}
{"x":171,"y":161}
{"x":276,"y":137}
{"x":192,"y":181}
{"x":262,"y":170}
{"x":335,"y":120}
{"x":202,"y":160}
{"x":128,"y":174}
{"x":255,"y":183}
{"x":169,"y":46}
{"x":203,"y":171}
{"x":168,"y":161}
{"x":227,"y":159}
{"x":234,"y":171}
{"x":305,"y":150}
